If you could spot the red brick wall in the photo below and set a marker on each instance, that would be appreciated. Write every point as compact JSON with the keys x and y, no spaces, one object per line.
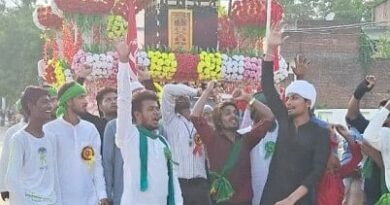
{"x":335,"y":69}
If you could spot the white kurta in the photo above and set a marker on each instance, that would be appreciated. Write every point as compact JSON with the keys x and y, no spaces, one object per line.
{"x":5,"y":152}
{"x":181,"y":134}
{"x":379,"y":137}
{"x":32,"y":170}
{"x":80,"y":182}
{"x":127,"y":139}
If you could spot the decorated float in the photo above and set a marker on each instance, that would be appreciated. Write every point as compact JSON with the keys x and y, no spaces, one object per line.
{"x":185,"y":40}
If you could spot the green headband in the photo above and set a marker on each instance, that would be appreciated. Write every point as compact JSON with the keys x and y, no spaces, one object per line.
{"x":74,"y":91}
{"x":52,"y":91}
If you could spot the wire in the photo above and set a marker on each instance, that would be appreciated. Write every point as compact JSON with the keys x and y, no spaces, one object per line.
{"x":345,"y":26}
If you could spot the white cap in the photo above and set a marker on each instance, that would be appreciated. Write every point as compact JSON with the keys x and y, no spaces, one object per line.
{"x":304,"y":89}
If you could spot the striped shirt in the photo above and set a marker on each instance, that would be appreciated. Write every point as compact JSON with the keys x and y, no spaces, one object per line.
{"x":181,"y":134}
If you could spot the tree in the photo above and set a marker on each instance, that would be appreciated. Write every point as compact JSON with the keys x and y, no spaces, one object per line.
{"x":20,"y":48}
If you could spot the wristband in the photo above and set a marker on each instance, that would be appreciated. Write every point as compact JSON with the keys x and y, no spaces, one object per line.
{"x":361,"y":89}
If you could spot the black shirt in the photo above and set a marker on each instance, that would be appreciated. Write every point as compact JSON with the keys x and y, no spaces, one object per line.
{"x":300,"y":155}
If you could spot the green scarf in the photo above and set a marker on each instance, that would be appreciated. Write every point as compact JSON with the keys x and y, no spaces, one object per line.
{"x":74,"y":91}
{"x":143,"y":154}
{"x":221,"y":189}
{"x":367,"y":168}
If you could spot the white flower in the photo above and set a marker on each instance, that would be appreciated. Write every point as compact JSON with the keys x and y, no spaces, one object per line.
{"x":241,"y":70}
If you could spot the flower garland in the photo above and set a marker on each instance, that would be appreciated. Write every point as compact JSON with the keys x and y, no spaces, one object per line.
{"x":209,"y":66}
{"x":249,"y":12}
{"x":226,"y":36}
{"x":85,"y":6}
{"x":116,"y":27}
{"x":252,"y":68}
{"x":71,"y":42}
{"x":163,"y":65}
{"x":233,"y":67}
{"x":104,"y":65}
{"x":57,"y":73}
{"x":282,"y":72}
{"x":186,"y":67}
{"x":142,"y":59}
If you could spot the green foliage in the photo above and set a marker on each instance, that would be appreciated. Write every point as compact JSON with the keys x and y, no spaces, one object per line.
{"x":305,"y":9}
{"x":345,"y":10}
{"x":383,"y":46}
{"x":365,"y":52}
{"x":20,"y":48}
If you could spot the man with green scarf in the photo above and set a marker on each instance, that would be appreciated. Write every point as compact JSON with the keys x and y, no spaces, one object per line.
{"x":149,"y":175}
{"x":229,"y":151}
{"x":78,"y":156}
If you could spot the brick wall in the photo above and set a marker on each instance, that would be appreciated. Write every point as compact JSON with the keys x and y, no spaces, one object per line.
{"x":335,"y":69}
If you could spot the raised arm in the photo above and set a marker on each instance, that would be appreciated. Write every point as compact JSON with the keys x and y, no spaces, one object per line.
{"x":170,"y":92}
{"x":348,"y":168}
{"x":373,"y":133}
{"x":267,"y":77}
{"x":199,"y":105}
{"x":201,"y":125}
{"x":353,"y":116}
{"x":124,"y":120}
{"x":265,"y":114}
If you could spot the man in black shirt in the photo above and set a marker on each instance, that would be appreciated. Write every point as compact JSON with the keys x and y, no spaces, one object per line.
{"x":302,"y":147}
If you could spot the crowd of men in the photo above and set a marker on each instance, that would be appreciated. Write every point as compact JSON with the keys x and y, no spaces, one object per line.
{"x":143,"y":150}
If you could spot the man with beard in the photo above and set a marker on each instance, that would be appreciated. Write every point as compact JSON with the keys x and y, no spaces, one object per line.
{"x":78,"y":149}
{"x":32,"y":169}
{"x":149,"y":175}
{"x":105,"y":100}
{"x":228,"y":151}
{"x":302,"y":146}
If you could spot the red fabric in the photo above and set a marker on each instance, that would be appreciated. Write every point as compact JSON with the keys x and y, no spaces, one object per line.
{"x":330,"y":189}
{"x":132,"y":36}
{"x":348,"y":168}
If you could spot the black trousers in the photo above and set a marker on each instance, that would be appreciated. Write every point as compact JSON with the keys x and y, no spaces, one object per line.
{"x":195,"y":191}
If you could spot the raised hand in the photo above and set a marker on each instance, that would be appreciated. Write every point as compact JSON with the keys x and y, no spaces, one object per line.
{"x":371,"y":80}
{"x":240,"y":94}
{"x":301,"y":65}
{"x":341,"y":130}
{"x":123,"y":50}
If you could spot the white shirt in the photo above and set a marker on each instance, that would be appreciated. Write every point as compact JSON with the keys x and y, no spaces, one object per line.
{"x":5,"y":152}
{"x":181,"y":134}
{"x":32,"y":170}
{"x":127,"y":140}
{"x":80,"y":182}
{"x":260,"y":165}
{"x":259,"y":162}
{"x":379,"y":137}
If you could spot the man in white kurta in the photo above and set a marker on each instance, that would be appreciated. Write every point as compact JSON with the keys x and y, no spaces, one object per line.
{"x":32,"y":172}
{"x":78,"y":150}
{"x":81,"y":182}
{"x":128,"y":141}
{"x":377,"y":134}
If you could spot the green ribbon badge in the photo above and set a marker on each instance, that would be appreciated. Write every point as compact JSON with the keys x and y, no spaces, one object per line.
{"x":269,"y":148}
